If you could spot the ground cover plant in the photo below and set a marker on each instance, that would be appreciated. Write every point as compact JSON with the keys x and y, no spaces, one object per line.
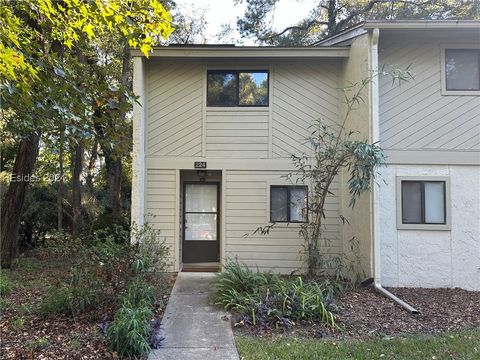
{"x":94,"y":298}
{"x":268,"y":300}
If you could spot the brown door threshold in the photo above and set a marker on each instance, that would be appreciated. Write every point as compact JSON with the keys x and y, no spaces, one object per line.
{"x":201,"y":267}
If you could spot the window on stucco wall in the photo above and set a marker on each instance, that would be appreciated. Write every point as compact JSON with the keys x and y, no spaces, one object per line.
{"x":423,"y":203}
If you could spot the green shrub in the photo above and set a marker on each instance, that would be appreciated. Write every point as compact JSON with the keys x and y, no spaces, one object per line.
{"x":237,"y":278}
{"x":103,"y":263}
{"x":82,"y":293}
{"x":57,"y":301}
{"x":270,"y":300}
{"x":139,"y":293}
{"x":128,"y":333}
{"x":150,"y":251}
{"x":5,"y":285}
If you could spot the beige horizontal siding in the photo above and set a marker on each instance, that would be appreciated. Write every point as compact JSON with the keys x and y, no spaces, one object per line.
{"x":174,"y":109}
{"x":302,"y":93}
{"x":160,"y":199}
{"x":415,"y":115}
{"x":246,"y":210}
{"x":237,"y":133}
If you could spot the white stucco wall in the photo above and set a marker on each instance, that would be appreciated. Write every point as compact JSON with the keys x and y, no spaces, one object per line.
{"x":429,"y":258}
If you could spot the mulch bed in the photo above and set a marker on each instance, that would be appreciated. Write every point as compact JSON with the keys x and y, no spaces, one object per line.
{"x":26,"y":335}
{"x":365,"y":313}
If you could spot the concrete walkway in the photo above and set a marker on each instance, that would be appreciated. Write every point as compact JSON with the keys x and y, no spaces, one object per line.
{"x":193,"y":328}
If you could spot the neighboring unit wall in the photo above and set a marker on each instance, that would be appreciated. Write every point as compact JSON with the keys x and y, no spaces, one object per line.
{"x":247,"y":208}
{"x":416,"y":117}
{"x":428,"y":258}
{"x":356,"y":69}
{"x":428,"y":133}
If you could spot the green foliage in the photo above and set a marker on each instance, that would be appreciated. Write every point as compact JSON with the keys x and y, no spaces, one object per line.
{"x":128,"y":333}
{"x":74,"y":298}
{"x":66,"y":74}
{"x":266,"y":299}
{"x":139,"y":293}
{"x":38,"y":343}
{"x":3,"y":304}
{"x":57,"y":301}
{"x":5,"y":285}
{"x":151,"y":252}
{"x":455,"y":344}
{"x":18,"y":323}
{"x":239,"y":279}
{"x":39,"y":215}
{"x":104,"y":263}
{"x":327,"y":18}
{"x":335,"y":150}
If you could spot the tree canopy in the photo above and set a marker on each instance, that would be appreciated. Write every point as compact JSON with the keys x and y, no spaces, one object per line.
{"x":329,"y":17}
{"x":66,"y":90}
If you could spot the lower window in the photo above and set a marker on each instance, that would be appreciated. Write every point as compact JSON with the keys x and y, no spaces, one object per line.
{"x":288,"y":204}
{"x":423,"y":203}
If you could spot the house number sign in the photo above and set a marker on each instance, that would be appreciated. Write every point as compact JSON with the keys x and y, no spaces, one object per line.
{"x":200,"y":164}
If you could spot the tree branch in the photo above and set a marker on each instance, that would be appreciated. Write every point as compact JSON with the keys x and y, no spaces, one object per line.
{"x":305,"y":27}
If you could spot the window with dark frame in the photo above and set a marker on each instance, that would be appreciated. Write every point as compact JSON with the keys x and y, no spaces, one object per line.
{"x":462,"y":69}
{"x":423,"y":202}
{"x":227,"y":88}
{"x":288,"y":204}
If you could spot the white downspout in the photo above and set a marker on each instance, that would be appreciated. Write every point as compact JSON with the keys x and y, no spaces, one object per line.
{"x":376,"y":210}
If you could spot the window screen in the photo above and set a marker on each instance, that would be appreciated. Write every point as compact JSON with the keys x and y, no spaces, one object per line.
{"x":462,"y":69}
{"x":423,"y":202}
{"x":237,"y":88}
{"x":288,"y":204}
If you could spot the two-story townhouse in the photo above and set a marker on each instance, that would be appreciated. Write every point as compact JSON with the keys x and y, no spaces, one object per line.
{"x":428,"y":212}
{"x":214,"y":127}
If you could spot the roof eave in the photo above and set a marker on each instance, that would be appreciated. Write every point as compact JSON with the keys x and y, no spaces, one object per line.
{"x":422,"y":24}
{"x":246,"y":52}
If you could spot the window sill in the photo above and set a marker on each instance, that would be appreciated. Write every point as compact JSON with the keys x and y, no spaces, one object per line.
{"x":428,"y":227}
{"x":460,"y":92}
{"x":294,"y":225}
{"x":237,"y":108}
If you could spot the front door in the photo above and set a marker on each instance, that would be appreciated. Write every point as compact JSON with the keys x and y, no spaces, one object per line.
{"x":200,"y":223}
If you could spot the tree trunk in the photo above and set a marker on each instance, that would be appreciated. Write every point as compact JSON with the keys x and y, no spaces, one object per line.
{"x":60,"y":186}
{"x":114,"y":182}
{"x":91,"y":165}
{"x":113,"y":160}
{"x":76,"y":189}
{"x":12,"y":204}
{"x":332,"y":17}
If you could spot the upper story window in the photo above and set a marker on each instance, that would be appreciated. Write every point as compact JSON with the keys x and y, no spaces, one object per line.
{"x":423,"y":204}
{"x":462,"y":69}
{"x":237,"y":88}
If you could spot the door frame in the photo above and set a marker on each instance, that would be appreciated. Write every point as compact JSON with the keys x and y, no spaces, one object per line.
{"x":218,"y":185}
